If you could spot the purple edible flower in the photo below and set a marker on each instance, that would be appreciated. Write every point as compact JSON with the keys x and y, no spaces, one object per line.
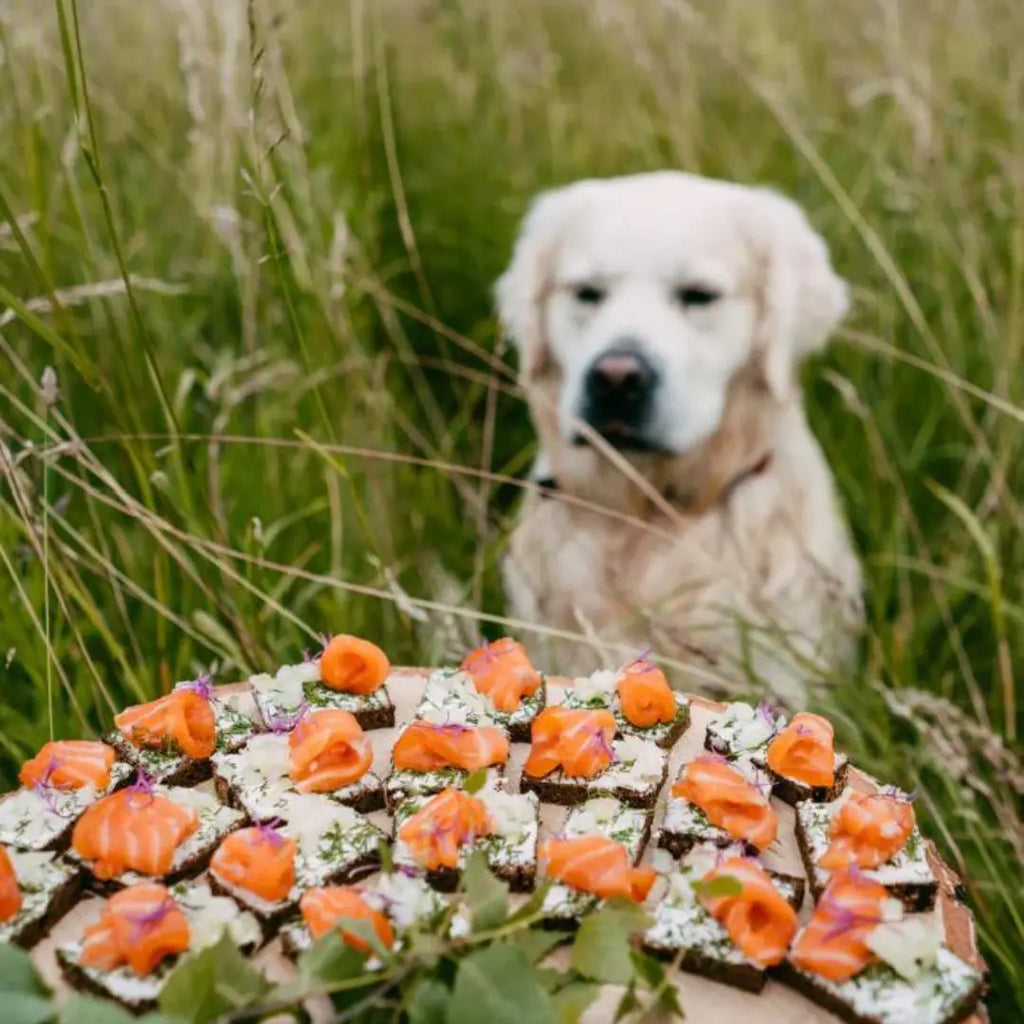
{"x":201,"y":686}
{"x":145,"y":920}
{"x":452,"y":728}
{"x":267,"y":831}
{"x":766,"y":712}
{"x":282,"y":723}
{"x":895,"y":793}
{"x":143,"y":785}
{"x":46,"y":791}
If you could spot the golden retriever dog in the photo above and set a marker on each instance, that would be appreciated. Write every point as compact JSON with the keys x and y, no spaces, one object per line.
{"x":660,"y":320}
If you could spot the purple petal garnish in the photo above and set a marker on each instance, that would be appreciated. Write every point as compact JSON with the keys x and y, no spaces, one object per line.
{"x":283,"y":722}
{"x":766,"y":712}
{"x":897,"y":794}
{"x":47,"y":792}
{"x":452,"y":728}
{"x":201,"y":686}
{"x":151,"y":917}
{"x":267,"y":831}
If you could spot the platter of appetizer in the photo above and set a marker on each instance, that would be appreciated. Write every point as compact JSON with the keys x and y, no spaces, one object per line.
{"x":780,"y":883}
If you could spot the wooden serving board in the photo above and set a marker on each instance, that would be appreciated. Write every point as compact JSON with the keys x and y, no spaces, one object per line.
{"x":704,"y":1001}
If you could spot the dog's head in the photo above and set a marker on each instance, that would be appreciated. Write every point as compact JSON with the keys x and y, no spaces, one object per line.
{"x":636,"y":302}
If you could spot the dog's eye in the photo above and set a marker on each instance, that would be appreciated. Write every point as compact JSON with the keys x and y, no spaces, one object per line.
{"x":696,"y":295}
{"x":588,"y":294}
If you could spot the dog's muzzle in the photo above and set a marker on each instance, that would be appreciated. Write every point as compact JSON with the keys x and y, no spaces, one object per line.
{"x":618,"y":397}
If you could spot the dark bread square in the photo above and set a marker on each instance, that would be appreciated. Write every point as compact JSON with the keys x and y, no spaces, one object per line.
{"x":404,"y":783}
{"x":46,"y":898}
{"x":908,"y":877}
{"x":372,"y":711}
{"x":792,"y":792}
{"x":839,"y":999}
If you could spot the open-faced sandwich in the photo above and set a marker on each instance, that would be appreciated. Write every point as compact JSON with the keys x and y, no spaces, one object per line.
{"x":37,"y":888}
{"x":875,"y":832}
{"x":725,"y":917}
{"x":394,"y":903}
{"x":348,"y":675}
{"x":603,"y":818}
{"x":58,"y":784}
{"x":717,"y":801}
{"x":802,"y":760}
{"x":435,"y":834}
{"x":496,"y":685}
{"x":638,"y":695}
{"x":149,"y":831}
{"x":428,"y":757}
{"x":142,"y":932}
{"x":173,"y":737}
{"x":326,"y":751}
{"x":574,"y":756}
{"x":740,"y":730}
{"x":317,"y":842}
{"x":860,"y":957}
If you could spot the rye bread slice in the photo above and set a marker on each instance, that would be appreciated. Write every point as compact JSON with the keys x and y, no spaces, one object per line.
{"x":404,"y":783}
{"x":683,"y":928}
{"x":852,"y":1000}
{"x":564,"y":907}
{"x":908,"y":876}
{"x":634,"y":782}
{"x":792,"y":792}
{"x":372,"y":710}
{"x":48,"y":892}
{"x":510,"y":854}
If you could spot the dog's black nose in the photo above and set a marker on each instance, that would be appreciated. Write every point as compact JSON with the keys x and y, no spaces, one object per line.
{"x":618,"y":389}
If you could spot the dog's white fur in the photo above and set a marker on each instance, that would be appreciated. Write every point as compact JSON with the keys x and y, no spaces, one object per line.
{"x":688,"y":550}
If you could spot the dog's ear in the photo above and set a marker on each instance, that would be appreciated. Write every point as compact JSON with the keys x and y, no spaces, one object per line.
{"x":802,"y":298}
{"x":521,"y":290}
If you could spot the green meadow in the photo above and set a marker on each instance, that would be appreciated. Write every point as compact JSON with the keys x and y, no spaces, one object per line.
{"x":255,"y":245}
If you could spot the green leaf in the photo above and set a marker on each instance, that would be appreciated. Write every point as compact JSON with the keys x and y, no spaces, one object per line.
{"x":536,"y":943}
{"x":475,"y":781}
{"x":329,"y":960}
{"x":87,"y":1010}
{"x":533,"y":905}
{"x":628,"y":1003}
{"x":654,"y":974}
{"x":496,"y":985}
{"x":211,"y":983}
{"x":23,"y":996}
{"x":427,"y":1002}
{"x":486,"y":895}
{"x":719,"y":886}
{"x":387,"y":863}
{"x":18,"y":974}
{"x":23,"y":1008}
{"x":572,"y":999}
{"x":602,"y":947}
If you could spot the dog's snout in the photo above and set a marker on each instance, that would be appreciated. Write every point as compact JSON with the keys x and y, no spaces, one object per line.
{"x":620,"y":375}
{"x":617,"y":390}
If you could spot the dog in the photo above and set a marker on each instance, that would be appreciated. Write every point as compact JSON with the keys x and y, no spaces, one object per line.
{"x":683,"y":504}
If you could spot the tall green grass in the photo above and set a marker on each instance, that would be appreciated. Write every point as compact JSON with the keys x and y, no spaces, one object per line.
{"x":256,"y":242}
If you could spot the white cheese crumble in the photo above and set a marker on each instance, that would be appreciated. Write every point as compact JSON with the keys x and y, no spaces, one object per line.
{"x":292,"y":686}
{"x":741,"y":727}
{"x":909,"y":946}
{"x":451,"y":697}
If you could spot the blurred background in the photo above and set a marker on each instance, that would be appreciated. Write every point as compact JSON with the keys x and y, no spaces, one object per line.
{"x":251,"y":387}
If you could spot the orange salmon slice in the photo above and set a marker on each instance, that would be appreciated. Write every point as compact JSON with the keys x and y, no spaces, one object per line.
{"x":426,"y":747}
{"x":645,"y":695}
{"x":69,"y":764}
{"x":759,"y":920}
{"x":140,"y":926}
{"x":729,"y":800}
{"x":353,"y":665}
{"x":259,"y":860}
{"x":132,"y":830}
{"x":10,"y":892}
{"x":331,"y":906}
{"x":502,"y":670}
{"x":182,"y":720}
{"x":327,"y":751}
{"x":804,"y":751}
{"x":436,"y":833}
{"x":869,"y":830}
{"x":574,"y":739}
{"x":598,"y":865}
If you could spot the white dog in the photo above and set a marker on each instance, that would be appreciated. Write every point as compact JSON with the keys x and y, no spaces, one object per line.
{"x":660,"y":320}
